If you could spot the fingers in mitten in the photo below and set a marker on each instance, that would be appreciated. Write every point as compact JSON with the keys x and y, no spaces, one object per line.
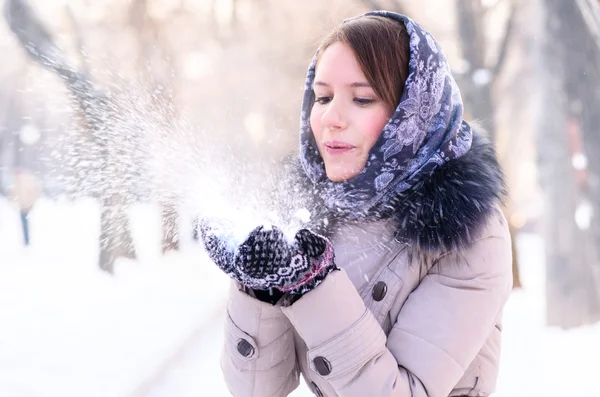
{"x":216,"y":247}
{"x":207,"y":236}
{"x":219,"y":252}
{"x":263,"y":251}
{"x":311,"y":244}
{"x":208,"y":228}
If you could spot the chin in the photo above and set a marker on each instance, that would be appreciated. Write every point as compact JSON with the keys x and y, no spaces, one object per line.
{"x":336,"y":178}
{"x":340,"y":175}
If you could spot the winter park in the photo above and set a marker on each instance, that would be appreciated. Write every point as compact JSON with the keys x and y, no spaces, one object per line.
{"x":273,"y":198}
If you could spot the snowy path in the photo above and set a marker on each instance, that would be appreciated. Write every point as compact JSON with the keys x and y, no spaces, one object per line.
{"x":192,"y":374}
{"x":197,"y":370}
{"x":70,"y":334}
{"x":188,"y":372}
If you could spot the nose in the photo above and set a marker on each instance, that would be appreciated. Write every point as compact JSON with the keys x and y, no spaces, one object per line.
{"x":333,"y":117}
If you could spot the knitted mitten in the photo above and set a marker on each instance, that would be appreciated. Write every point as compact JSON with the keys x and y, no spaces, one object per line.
{"x":266,"y":259}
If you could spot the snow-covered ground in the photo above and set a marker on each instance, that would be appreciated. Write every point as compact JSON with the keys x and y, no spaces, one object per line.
{"x":155,"y":328}
{"x":68,"y":329}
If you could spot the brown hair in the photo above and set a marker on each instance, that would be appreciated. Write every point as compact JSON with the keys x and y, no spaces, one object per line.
{"x":381,"y":46}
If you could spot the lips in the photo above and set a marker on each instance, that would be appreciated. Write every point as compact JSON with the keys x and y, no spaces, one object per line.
{"x":337,"y":147}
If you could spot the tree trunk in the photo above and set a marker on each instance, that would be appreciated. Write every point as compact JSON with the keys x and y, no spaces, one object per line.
{"x":170,"y":226}
{"x":571,"y":101}
{"x":151,"y":50}
{"x":477,"y":84}
{"x":96,"y":111}
{"x":115,"y":242}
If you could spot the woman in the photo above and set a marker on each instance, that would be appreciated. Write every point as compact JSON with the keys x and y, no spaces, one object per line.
{"x":405,"y":295}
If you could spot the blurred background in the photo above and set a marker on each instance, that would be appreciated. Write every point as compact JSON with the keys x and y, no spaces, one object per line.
{"x":122,"y":119}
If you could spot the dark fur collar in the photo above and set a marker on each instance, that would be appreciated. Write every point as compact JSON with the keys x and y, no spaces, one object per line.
{"x":447,"y":209}
{"x":443,"y":211}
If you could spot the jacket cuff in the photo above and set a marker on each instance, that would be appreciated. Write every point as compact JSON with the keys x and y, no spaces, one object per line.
{"x":247,"y":311}
{"x":258,"y":358}
{"x":239,"y":346}
{"x":340,"y":332}
{"x":251,"y":327}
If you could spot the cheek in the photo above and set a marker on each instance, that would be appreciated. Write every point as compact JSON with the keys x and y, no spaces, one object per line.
{"x":374,"y":127}
{"x":315,"y":124}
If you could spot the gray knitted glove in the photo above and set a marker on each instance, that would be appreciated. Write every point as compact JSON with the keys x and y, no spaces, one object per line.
{"x":266,"y":259}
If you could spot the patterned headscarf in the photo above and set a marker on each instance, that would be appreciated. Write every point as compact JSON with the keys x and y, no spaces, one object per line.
{"x":426,"y":130}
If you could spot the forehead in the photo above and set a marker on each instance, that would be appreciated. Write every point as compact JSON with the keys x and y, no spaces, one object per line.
{"x":338,"y":64}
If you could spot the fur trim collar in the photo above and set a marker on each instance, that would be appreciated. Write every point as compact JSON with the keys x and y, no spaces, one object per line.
{"x":447,"y":209}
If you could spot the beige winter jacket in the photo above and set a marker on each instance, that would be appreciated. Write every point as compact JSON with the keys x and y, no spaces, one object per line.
{"x":381,"y":326}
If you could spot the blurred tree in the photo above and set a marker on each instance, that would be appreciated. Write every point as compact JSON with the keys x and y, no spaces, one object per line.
{"x":568,"y":143}
{"x":479,"y":77}
{"x":477,"y":82}
{"x":97,"y":110}
{"x":157,"y":58}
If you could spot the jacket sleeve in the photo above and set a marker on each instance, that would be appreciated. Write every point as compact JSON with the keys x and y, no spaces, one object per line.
{"x":442,"y":326}
{"x":259,"y":356}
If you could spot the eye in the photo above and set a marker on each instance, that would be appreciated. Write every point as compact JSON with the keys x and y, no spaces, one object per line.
{"x":363,"y":101}
{"x":323,"y":100}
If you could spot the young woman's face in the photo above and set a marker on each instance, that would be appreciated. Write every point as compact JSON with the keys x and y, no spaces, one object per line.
{"x":347,"y":117}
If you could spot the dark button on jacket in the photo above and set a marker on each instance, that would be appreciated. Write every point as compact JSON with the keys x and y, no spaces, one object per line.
{"x":315,"y":389}
{"x":245,"y":348}
{"x":379,"y":291}
{"x":322,"y":366}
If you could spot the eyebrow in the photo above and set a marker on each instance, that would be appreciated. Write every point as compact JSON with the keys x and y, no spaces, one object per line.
{"x":353,"y":85}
